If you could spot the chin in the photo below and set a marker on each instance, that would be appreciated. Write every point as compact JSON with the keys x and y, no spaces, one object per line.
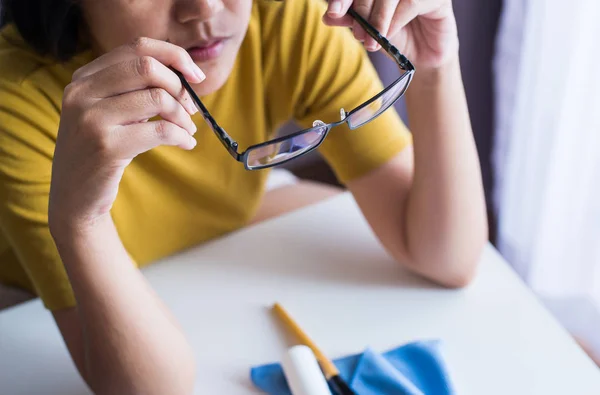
{"x":217,"y":72}
{"x":213,"y":82}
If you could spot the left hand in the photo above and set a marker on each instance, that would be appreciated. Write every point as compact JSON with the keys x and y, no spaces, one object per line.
{"x":423,"y":30}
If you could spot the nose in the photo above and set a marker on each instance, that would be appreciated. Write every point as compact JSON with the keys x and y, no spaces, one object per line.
{"x":197,"y":10}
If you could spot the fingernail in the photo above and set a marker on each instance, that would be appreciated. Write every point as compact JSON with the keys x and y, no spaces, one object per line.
{"x":192,"y":106}
{"x":335,"y":7}
{"x":358,"y":35}
{"x":199,"y":73}
{"x":189,"y":105}
{"x":194,"y":142}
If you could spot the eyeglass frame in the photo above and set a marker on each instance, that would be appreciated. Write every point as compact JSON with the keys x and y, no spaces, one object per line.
{"x":232,"y":146}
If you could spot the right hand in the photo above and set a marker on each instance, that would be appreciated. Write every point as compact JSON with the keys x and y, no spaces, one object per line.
{"x":104,"y":125}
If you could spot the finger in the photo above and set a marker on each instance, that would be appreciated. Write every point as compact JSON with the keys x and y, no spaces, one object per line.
{"x":138,"y":74}
{"x":363,"y":8}
{"x":139,"y":106}
{"x":406,"y":11}
{"x":166,"y":53}
{"x":135,"y":139}
{"x":345,"y":21}
{"x":381,"y":17}
{"x":338,"y":8}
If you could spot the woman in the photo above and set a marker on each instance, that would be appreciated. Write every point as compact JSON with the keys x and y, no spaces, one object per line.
{"x":106,"y":165}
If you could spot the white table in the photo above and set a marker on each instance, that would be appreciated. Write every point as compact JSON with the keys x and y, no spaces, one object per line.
{"x":324,"y":264}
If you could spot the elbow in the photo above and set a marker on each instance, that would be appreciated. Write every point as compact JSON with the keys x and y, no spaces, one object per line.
{"x":459,"y":280}
{"x":451,"y":274}
{"x":461,"y":270}
{"x":457,"y":275}
{"x":451,"y":269}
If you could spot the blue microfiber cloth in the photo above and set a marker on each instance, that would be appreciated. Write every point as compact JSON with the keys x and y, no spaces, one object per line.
{"x":413,"y":369}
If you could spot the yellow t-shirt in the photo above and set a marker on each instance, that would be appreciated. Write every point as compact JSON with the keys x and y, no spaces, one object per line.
{"x":290,"y":66}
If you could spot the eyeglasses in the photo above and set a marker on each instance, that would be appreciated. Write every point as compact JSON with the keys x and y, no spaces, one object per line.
{"x":283,"y":149}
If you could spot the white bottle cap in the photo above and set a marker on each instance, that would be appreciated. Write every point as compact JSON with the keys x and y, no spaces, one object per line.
{"x":303,"y":373}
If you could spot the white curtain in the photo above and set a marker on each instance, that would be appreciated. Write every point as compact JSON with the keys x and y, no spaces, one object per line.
{"x":547,"y":154}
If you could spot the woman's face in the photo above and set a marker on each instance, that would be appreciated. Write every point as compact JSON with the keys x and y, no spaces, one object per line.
{"x":210,"y":30}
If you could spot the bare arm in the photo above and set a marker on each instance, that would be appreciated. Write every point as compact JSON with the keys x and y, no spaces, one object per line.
{"x":121,"y":337}
{"x":427,"y":204}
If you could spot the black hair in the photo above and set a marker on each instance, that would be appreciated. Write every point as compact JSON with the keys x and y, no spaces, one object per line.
{"x":50,"y":27}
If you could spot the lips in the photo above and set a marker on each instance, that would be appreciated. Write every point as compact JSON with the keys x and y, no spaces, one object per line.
{"x":207,"y":50}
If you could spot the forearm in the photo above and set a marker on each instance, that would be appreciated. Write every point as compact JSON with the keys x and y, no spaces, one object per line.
{"x":132,"y":345}
{"x":445,"y":218}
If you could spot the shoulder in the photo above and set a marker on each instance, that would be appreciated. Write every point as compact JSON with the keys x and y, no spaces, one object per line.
{"x":17,"y":61}
{"x":31,"y":90}
{"x":24,"y":73}
{"x":30,"y":97}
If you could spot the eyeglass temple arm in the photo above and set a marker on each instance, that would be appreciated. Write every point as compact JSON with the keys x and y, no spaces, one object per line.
{"x":404,"y":63}
{"x":230,"y":144}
